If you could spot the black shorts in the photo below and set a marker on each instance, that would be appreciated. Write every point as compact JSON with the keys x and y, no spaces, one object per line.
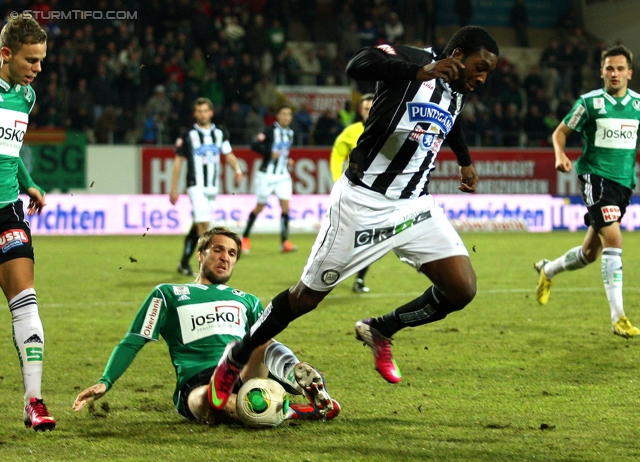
{"x":201,"y":378}
{"x":606,"y":200}
{"x":15,"y":234}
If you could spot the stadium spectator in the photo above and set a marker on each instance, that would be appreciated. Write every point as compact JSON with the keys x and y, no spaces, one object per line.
{"x":326,"y":128}
{"x":195,"y":359}
{"x":393,"y":29}
{"x":303,"y":124}
{"x":159,"y":103}
{"x":310,"y":68}
{"x":535,"y":128}
{"x":350,"y":40}
{"x":607,"y":173}
{"x":520,"y":22}
{"x":277,"y":37}
{"x":81,"y":108}
{"x":368,"y":33}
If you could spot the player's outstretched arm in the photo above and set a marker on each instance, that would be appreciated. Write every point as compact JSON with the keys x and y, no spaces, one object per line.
{"x":93,"y":393}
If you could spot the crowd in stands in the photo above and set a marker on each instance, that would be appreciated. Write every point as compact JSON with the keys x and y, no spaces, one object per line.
{"x":134,"y":80}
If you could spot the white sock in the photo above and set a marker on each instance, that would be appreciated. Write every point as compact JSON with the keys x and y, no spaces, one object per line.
{"x":612,"y":278}
{"x":28,"y":337}
{"x":572,"y":260}
{"x":280,"y":360}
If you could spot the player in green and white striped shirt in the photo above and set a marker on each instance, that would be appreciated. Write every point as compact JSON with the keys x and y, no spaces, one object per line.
{"x":23,"y":47}
{"x":608,"y":119}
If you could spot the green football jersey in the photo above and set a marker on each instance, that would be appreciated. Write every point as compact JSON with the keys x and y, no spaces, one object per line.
{"x":609,"y":126}
{"x":197,"y":322}
{"x":16,"y":103}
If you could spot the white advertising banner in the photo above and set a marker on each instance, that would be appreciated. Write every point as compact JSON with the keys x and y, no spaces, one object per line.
{"x":67,"y":214}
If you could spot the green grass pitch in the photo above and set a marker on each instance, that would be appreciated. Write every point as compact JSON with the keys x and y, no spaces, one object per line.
{"x":503,"y":380}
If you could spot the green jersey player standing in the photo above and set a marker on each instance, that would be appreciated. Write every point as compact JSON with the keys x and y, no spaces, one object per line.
{"x":23,"y":47}
{"x":198,"y":321}
{"x":608,"y":119}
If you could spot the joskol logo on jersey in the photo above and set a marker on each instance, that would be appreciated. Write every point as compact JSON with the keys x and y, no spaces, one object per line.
{"x":616,"y":133}
{"x":12,"y":238}
{"x":431,"y":113}
{"x":212,"y":318}
{"x":13,"y":126}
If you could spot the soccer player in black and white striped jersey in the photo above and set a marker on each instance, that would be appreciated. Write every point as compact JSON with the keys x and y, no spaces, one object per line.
{"x":273,"y":178}
{"x":201,"y":146}
{"x":382,"y":203}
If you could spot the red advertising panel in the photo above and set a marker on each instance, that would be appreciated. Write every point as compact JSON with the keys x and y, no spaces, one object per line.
{"x":501,"y":171}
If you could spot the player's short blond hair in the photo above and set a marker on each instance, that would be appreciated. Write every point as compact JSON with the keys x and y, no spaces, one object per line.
{"x":22,"y":30}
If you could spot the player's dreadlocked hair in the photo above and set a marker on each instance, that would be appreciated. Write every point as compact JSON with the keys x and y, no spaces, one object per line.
{"x":22,"y":30}
{"x":617,"y":50}
{"x":471,"y":39}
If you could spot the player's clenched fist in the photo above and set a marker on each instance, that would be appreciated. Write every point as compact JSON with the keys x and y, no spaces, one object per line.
{"x":448,"y":69}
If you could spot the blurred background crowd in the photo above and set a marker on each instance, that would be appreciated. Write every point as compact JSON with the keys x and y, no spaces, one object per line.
{"x":127,"y":81}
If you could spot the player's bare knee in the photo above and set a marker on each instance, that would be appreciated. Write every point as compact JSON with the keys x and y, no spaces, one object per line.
{"x":199,"y":404}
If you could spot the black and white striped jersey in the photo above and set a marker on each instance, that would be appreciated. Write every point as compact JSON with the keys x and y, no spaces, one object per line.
{"x":274,"y":138}
{"x":202,"y":149}
{"x":407,"y":124}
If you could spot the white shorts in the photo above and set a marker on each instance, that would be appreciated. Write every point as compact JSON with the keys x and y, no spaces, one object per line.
{"x":202,"y":201}
{"x":269,"y":183}
{"x":361,"y":226}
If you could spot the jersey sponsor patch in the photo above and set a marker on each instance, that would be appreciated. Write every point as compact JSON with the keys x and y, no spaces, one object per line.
{"x":610,"y":213}
{"x":200,"y":320}
{"x":575,"y":118}
{"x":388,"y":49}
{"x":13,"y":126}
{"x":12,"y":238}
{"x":181,"y":290}
{"x":616,"y":133}
{"x":598,"y":103}
{"x":377,"y":235}
{"x":431,"y":113}
{"x":151,"y":318}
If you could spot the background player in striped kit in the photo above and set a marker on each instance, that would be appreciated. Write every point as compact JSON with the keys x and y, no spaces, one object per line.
{"x":608,"y":119}
{"x":23,"y":47}
{"x":274,"y":178}
{"x":340,"y":151}
{"x":201,"y":146}
{"x":382,"y":202}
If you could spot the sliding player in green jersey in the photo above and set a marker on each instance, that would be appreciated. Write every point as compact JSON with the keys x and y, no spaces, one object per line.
{"x":23,"y":46}
{"x":198,"y":321}
{"x":608,"y":119}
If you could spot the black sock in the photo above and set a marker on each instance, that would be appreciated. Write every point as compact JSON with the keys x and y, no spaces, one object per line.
{"x":284,"y":227}
{"x":276,"y":317}
{"x":429,"y":307}
{"x":190,"y":244}
{"x":362,"y":272}
{"x":250,"y":221}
